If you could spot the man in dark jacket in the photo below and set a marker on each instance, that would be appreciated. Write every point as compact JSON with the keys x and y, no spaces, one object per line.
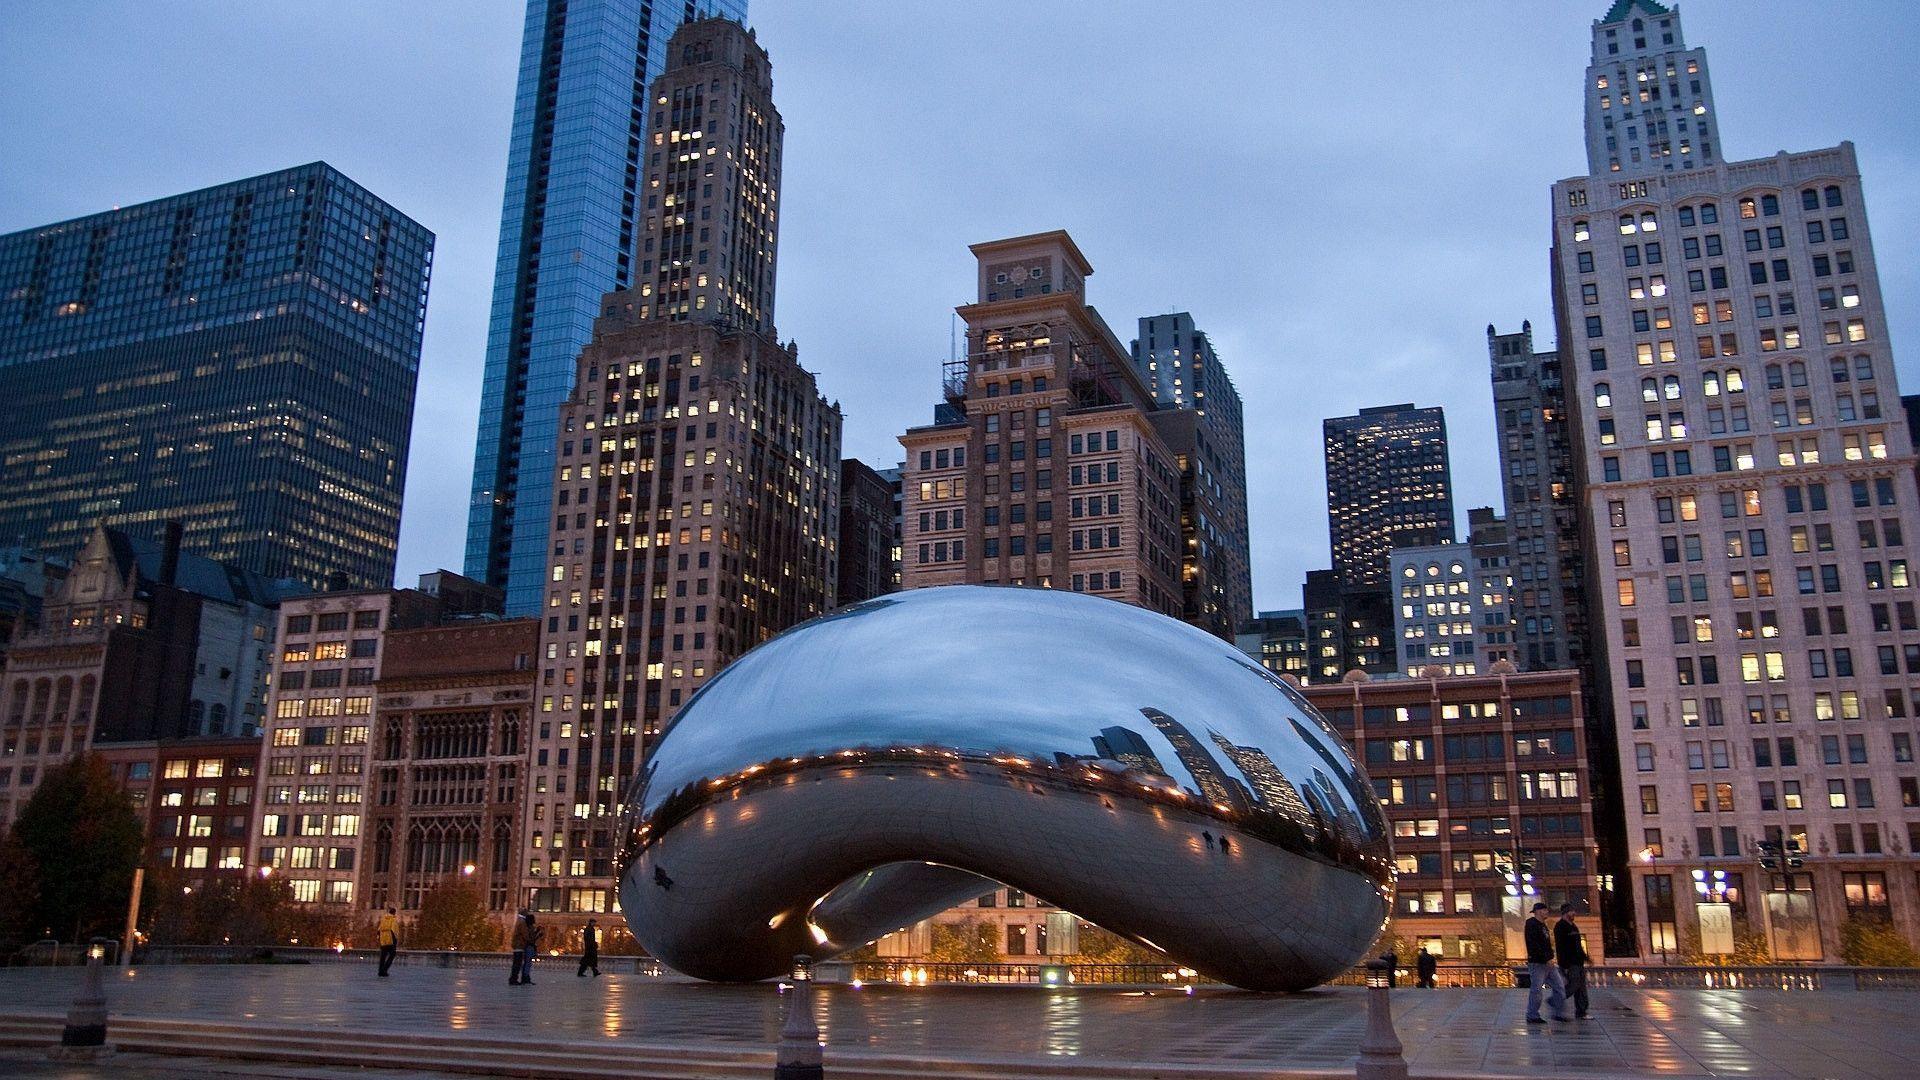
{"x":590,"y":949}
{"x":1570,"y":951}
{"x":1542,"y":975}
{"x":1427,"y":965}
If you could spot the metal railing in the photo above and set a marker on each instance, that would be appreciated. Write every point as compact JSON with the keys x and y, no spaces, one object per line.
{"x":442,"y":958}
{"x":1038,"y":973}
{"x":1627,"y":976}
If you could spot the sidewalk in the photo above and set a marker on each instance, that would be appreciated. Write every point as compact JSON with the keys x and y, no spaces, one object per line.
{"x":1749,"y":1033}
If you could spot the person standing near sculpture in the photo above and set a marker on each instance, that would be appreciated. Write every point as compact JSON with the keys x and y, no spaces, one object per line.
{"x":1542,"y":975}
{"x":389,"y":939}
{"x":1570,"y":951}
{"x":590,"y":949}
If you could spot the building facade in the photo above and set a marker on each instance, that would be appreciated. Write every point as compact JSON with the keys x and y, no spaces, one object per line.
{"x":697,"y":491}
{"x":196,"y":799}
{"x":314,"y":746}
{"x":241,"y":359}
{"x":1349,"y":628}
{"x":1484,"y":779}
{"x":140,"y":643}
{"x":1450,"y":602}
{"x":1388,"y":486}
{"x":1490,"y":545}
{"x":570,"y":225}
{"x":1543,"y":499}
{"x":1750,"y":488}
{"x":869,"y":554}
{"x":453,"y":716}
{"x":1278,"y":639}
{"x":1045,"y":468}
{"x":27,"y":578}
{"x":1649,"y":102}
{"x":1199,"y":416}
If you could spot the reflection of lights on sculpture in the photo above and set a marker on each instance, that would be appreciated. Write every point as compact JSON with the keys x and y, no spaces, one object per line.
{"x":897,"y":757}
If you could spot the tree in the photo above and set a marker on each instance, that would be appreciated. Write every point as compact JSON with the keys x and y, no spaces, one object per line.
{"x":1868,"y":942}
{"x":968,"y":941}
{"x":83,"y":839}
{"x":1101,"y":946}
{"x":19,"y":894}
{"x":228,"y":908}
{"x":453,"y":915}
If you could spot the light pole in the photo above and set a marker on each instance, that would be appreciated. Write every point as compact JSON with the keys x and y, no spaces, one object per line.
{"x":133,"y":915}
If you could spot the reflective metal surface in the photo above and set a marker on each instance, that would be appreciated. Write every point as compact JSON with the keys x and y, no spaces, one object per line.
{"x":880,"y":764}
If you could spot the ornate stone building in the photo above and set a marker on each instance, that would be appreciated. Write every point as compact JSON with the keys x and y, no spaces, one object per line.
{"x":452,"y":724}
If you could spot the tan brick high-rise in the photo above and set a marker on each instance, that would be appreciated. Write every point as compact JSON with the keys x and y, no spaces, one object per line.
{"x":1750,"y":502}
{"x":1045,"y":468}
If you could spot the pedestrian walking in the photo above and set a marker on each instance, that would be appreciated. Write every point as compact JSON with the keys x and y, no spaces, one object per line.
{"x":534,"y":933}
{"x":1427,"y":965}
{"x":1570,"y":951}
{"x":1542,"y":975}
{"x":522,"y":935}
{"x":590,"y":949}
{"x":389,"y":940}
{"x":1392,"y":959}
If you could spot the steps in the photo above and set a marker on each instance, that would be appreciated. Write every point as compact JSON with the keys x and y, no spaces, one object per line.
{"x":494,"y":1056}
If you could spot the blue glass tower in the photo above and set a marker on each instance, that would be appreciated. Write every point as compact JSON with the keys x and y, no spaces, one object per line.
{"x":566,"y":239}
{"x":241,"y":360}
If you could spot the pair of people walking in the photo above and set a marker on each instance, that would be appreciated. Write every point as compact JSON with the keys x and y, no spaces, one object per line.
{"x":1556,"y":966}
{"x":525,"y":944}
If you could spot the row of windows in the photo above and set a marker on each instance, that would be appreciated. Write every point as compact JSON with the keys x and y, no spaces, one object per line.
{"x":328,"y":622}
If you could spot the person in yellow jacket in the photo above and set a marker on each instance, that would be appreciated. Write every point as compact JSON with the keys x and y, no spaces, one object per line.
{"x":389,"y":939}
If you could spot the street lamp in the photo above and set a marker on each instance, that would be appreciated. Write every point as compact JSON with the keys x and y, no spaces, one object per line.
{"x":1711,"y":885}
{"x":467,"y":870}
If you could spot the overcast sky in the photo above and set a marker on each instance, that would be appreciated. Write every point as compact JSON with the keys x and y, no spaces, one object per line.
{"x":1344,"y":195}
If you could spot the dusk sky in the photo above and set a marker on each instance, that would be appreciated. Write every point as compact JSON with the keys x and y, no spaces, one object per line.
{"x":1344,"y":195}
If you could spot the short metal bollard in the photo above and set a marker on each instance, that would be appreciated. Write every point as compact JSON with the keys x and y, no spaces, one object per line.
{"x":1380,"y":1057}
{"x":84,"y":1038}
{"x":799,"y":1055}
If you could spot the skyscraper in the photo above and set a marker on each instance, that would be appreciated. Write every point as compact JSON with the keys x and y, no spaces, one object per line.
{"x":1750,"y":488}
{"x":1043,"y":467}
{"x":568,"y":229}
{"x":696,"y":494}
{"x":1388,"y":486}
{"x":241,"y":359}
{"x":1199,"y":417}
{"x":1649,"y":101}
{"x":1542,"y":492}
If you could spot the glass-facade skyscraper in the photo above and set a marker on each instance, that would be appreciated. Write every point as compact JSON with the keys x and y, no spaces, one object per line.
{"x":567,"y":234}
{"x":241,"y":359}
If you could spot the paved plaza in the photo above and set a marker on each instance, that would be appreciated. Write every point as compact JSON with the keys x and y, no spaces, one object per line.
{"x":1748,"y":1033}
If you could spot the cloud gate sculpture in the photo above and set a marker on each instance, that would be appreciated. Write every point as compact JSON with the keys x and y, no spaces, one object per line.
{"x":883,"y":763}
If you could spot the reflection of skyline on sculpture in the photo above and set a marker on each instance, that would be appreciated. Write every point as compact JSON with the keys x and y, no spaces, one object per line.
{"x":809,"y":801}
